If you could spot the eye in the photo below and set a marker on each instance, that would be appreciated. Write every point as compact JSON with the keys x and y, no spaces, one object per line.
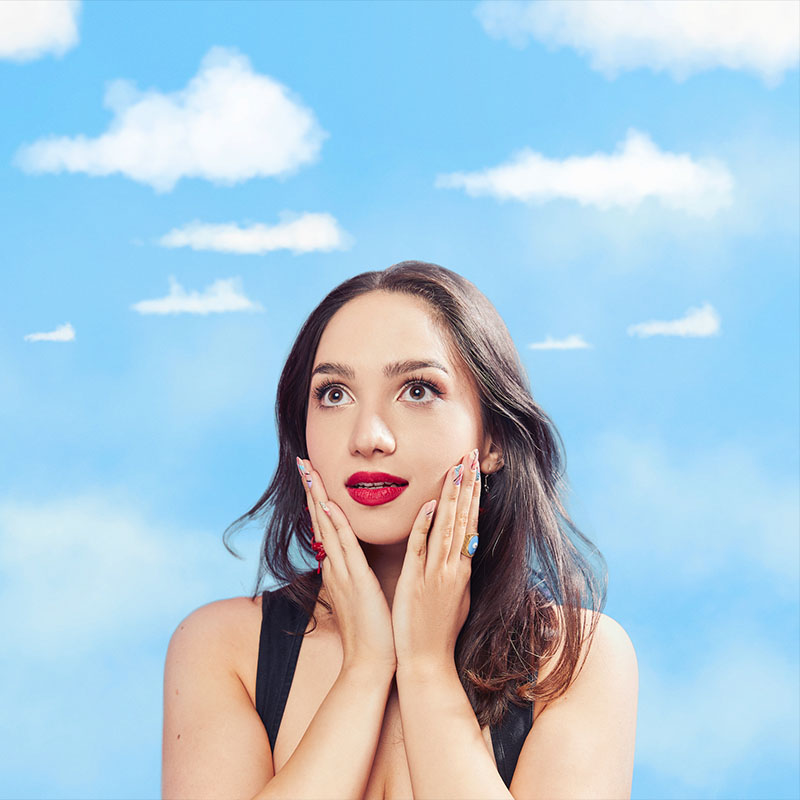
{"x":331,"y":391}
{"x":422,"y":392}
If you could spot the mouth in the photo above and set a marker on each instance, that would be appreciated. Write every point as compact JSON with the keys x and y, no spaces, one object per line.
{"x":375,"y":488}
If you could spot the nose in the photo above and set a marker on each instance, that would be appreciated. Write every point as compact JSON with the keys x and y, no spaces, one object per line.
{"x":371,"y":435}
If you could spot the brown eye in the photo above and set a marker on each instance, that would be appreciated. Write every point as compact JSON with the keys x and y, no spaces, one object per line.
{"x":330,"y":396}
{"x":421,"y":392}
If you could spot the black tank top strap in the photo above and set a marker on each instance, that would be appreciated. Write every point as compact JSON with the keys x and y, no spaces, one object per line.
{"x":282,"y":626}
{"x":509,"y":736}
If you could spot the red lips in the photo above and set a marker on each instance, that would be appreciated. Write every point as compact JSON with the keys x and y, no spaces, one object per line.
{"x":374,"y":477}
{"x":375,"y":495}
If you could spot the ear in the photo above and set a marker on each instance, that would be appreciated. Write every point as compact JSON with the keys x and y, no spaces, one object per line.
{"x":491,"y":456}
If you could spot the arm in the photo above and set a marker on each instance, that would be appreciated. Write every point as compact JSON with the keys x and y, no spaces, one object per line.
{"x":581,"y":745}
{"x":215,"y":744}
{"x":447,"y":755}
{"x":334,"y":757}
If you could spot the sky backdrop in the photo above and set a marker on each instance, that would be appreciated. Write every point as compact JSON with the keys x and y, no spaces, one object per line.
{"x":182,"y":183}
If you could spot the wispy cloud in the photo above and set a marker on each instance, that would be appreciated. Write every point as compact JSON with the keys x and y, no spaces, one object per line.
{"x":573,"y":342}
{"x":29,"y":30}
{"x":101,"y":550}
{"x":695,"y":514}
{"x":302,"y":233}
{"x":221,"y":296}
{"x":63,"y":333}
{"x":636,"y":171}
{"x":695,"y":725}
{"x":228,"y":125}
{"x":696,"y":322}
{"x":761,"y":36}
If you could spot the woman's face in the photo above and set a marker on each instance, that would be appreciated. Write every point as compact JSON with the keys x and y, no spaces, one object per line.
{"x":378,"y":415}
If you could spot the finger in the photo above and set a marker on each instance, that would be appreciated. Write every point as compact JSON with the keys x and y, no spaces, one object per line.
{"x":350,"y":547}
{"x":324,"y":530}
{"x":441,"y":537}
{"x":315,"y":540}
{"x":306,"y":480}
{"x":470,"y":541}
{"x":464,"y":506}
{"x":416,"y":548}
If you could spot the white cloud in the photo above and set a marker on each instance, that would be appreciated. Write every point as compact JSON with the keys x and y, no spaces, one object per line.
{"x":221,"y":296}
{"x":696,"y":725}
{"x":80,"y":568}
{"x":63,"y":333}
{"x":697,"y":322}
{"x":77,"y":572}
{"x":636,"y":171}
{"x":676,"y":518}
{"x":228,"y":125}
{"x":300,"y":234}
{"x":29,"y":30}
{"x":573,"y":342}
{"x":762,"y":36}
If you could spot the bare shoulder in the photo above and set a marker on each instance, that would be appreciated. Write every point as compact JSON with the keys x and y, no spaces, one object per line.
{"x":610,"y":640}
{"x":220,"y":620}
{"x":213,"y":739}
{"x":583,"y":742}
{"x":609,"y":647}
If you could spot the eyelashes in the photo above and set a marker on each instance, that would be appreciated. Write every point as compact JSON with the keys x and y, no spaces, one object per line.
{"x":328,"y":384}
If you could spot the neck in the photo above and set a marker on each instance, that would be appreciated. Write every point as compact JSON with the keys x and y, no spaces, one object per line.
{"x":386,"y":561}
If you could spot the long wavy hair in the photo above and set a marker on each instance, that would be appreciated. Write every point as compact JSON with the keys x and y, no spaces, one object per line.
{"x":530,"y":581}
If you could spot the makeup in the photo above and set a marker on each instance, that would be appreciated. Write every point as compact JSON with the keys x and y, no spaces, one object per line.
{"x":375,"y":488}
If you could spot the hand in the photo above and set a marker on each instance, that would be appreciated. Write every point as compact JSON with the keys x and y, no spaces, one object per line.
{"x":431,"y":599}
{"x":360,"y":606}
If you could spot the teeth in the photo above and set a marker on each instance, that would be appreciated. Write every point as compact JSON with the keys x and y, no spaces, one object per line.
{"x":375,"y":485}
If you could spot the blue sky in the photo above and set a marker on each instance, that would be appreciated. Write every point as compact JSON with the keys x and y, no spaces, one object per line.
{"x":182,"y":183}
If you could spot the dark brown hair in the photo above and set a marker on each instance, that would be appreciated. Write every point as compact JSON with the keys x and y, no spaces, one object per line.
{"x":530,"y":580}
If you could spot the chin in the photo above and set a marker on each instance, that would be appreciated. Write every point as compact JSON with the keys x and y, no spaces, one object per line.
{"x":376,"y":535}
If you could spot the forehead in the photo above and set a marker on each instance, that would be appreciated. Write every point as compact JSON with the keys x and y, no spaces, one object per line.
{"x":380,"y":327}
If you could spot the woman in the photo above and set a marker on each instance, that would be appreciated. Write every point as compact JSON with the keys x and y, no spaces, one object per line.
{"x":430,"y":653}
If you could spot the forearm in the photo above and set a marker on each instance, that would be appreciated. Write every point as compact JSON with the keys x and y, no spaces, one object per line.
{"x":334,"y":757}
{"x":447,"y":755}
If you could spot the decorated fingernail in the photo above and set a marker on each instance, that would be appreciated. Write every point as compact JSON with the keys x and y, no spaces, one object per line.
{"x":324,"y":508}
{"x":429,"y":507}
{"x":474,"y":463}
{"x":303,"y":474}
{"x":458,"y":475}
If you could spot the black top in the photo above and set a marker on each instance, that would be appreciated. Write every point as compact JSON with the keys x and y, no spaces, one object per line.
{"x":277,"y":659}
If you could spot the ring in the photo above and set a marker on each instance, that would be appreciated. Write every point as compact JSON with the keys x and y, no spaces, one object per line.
{"x":319,"y":553}
{"x":470,"y":545}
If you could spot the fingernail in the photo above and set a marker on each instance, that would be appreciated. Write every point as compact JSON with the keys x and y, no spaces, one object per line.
{"x":474,"y":463}
{"x":429,"y":507}
{"x":324,"y":508}
{"x":303,"y":474}
{"x":457,"y":473}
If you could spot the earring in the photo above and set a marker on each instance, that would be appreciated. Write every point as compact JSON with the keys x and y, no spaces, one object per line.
{"x":486,"y":484}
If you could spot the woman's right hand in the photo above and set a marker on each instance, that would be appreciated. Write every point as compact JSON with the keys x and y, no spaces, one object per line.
{"x":359,"y":604}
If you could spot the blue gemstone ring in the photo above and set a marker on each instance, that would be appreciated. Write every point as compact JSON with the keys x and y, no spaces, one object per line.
{"x":470,"y":545}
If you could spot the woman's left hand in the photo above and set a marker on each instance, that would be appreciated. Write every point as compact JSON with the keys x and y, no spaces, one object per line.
{"x":431,"y":599}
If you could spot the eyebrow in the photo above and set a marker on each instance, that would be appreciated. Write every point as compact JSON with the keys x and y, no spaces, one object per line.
{"x":391,"y":370}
